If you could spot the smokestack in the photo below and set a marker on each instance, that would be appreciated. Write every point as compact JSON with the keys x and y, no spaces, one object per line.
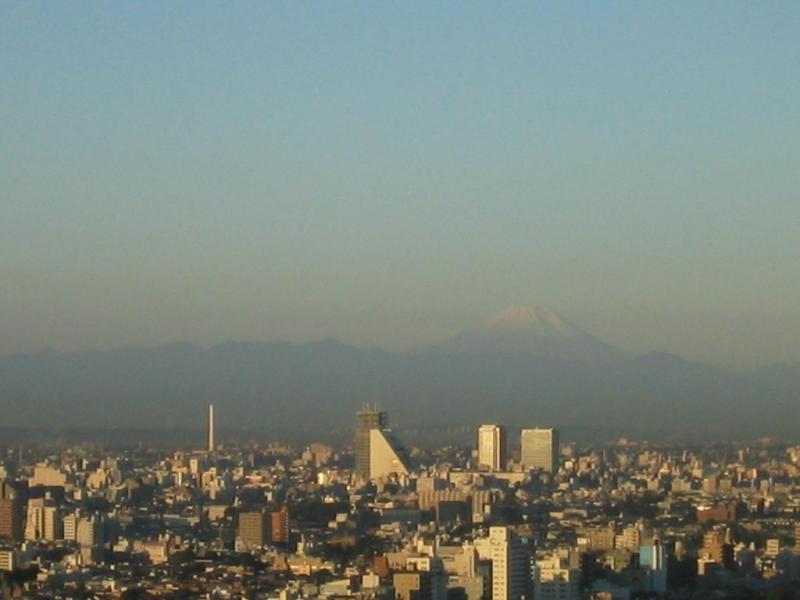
{"x":210,"y":427}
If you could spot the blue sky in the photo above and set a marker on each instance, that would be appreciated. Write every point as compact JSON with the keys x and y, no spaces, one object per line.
{"x":388,"y":174}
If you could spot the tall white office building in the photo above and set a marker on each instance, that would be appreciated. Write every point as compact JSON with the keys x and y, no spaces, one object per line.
{"x":539,"y":449}
{"x":492,"y":447}
{"x":511,"y":562}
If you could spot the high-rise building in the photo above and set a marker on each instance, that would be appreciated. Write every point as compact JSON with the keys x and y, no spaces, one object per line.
{"x":43,"y":521}
{"x":252,"y":529}
{"x":717,"y":546}
{"x":511,"y":562}
{"x":211,"y":428}
{"x":12,"y":503}
{"x":10,"y":519}
{"x":492,"y":447}
{"x":70,"y":524}
{"x":366,"y":421}
{"x":386,"y":455}
{"x":279,"y":526}
{"x":89,"y":531}
{"x":539,"y":449}
{"x":653,"y":560}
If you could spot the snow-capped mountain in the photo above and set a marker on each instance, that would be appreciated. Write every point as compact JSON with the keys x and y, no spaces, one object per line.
{"x":534,"y":330}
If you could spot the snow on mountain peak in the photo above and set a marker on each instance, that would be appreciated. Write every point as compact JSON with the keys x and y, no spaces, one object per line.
{"x":533,"y":319}
{"x":531,"y":330}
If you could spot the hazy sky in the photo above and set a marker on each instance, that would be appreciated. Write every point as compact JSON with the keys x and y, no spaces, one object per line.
{"x":389,"y":173}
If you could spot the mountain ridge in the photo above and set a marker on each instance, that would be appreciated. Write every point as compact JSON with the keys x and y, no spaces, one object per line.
{"x":316,"y":386}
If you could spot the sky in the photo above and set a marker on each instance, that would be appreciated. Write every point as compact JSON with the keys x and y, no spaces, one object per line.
{"x":390,"y":173}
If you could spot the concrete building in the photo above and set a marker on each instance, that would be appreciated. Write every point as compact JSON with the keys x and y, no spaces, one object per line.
{"x":556,"y":584}
{"x":12,"y":503}
{"x":48,"y":476}
{"x":717,"y":547}
{"x":8,"y":559}
{"x":279,"y":526}
{"x":386,"y":455}
{"x":510,"y":560}
{"x":721,"y":513}
{"x":90,"y":531}
{"x":413,"y":585}
{"x":366,"y":421}
{"x":557,"y":576}
{"x":653,"y":560}
{"x":252,"y":530}
{"x":539,"y":449}
{"x":492,"y":447}
{"x":600,"y":537}
{"x":43,"y":521}
{"x":70,"y":525}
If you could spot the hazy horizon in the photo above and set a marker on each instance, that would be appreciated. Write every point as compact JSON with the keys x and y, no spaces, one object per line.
{"x":389,"y":175}
{"x":442,"y":344}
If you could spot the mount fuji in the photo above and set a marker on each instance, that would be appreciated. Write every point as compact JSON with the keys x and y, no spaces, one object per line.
{"x":537,"y":331}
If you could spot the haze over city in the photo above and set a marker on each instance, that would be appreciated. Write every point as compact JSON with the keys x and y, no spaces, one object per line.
{"x":399,"y":301}
{"x":389,"y":175}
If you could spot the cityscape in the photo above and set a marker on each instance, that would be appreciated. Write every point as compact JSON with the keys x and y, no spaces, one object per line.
{"x":363,"y":300}
{"x":535,"y":517}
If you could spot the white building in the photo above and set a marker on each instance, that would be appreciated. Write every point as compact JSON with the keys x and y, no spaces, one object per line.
{"x":70,"y":523}
{"x":90,"y":531}
{"x":46,"y":475}
{"x":510,"y":563}
{"x":43,"y":521}
{"x":386,"y":455}
{"x":492,"y":447}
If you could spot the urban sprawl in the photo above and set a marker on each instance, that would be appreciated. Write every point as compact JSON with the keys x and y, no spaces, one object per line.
{"x":538,"y":518}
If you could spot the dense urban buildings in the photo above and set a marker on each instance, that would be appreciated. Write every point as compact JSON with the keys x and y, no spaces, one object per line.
{"x":554,"y":520}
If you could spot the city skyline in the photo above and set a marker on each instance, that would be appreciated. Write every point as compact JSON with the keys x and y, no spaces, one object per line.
{"x":555,"y":242}
{"x":605,"y":521}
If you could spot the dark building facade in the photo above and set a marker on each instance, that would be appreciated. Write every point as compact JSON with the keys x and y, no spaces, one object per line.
{"x":366,"y":421}
{"x":13,"y":497}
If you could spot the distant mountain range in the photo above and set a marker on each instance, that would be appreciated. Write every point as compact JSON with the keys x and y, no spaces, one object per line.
{"x":526,"y":366}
